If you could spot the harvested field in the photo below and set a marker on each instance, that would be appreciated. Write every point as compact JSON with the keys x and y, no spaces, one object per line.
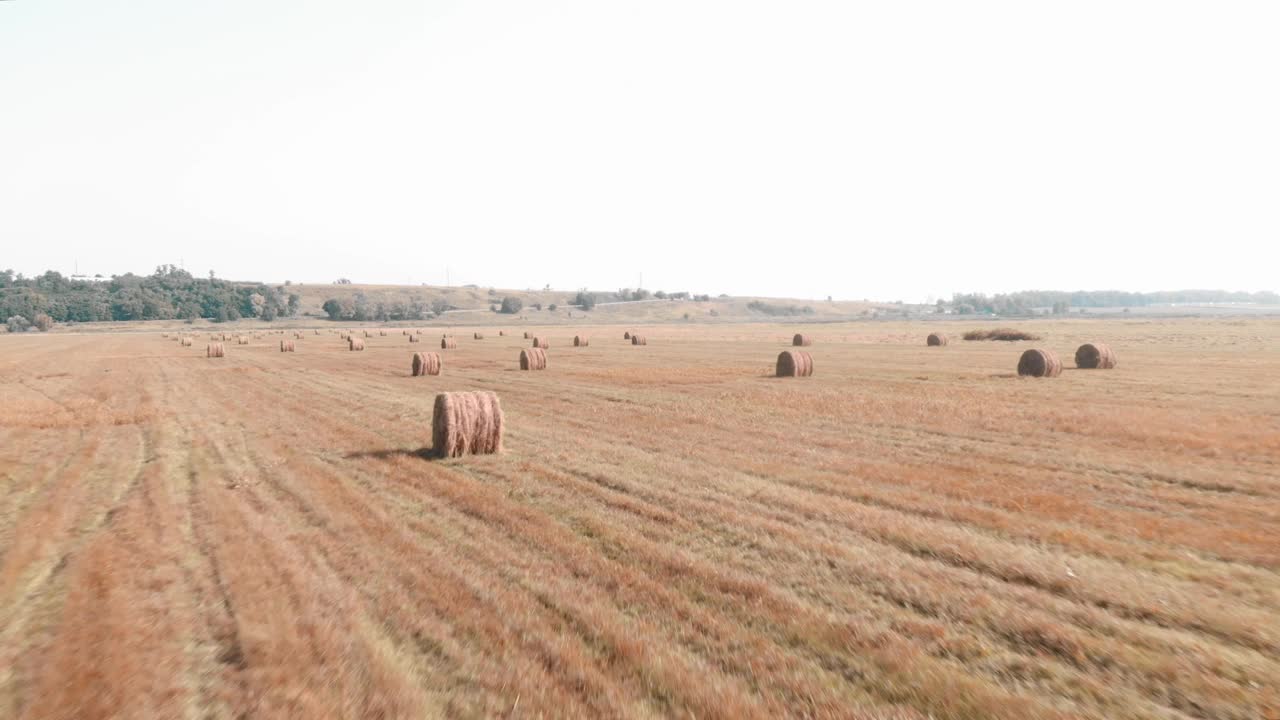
{"x":666,"y":533}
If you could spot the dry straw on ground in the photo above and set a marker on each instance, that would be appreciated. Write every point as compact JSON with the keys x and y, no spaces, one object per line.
{"x":466,"y":423}
{"x":1095,"y":356}
{"x":639,"y":339}
{"x":580,"y":341}
{"x":533,"y":359}
{"x":801,"y":340}
{"x":1005,"y":334}
{"x":355,"y":343}
{"x":286,"y":346}
{"x":214,"y":350}
{"x":426,"y":363}
{"x":794,"y":363}
{"x":936,"y":340}
{"x":542,"y":343}
{"x":448,"y":343}
{"x":1039,"y":363}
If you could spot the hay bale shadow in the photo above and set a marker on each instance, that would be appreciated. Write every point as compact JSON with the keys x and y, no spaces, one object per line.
{"x":422,"y":453}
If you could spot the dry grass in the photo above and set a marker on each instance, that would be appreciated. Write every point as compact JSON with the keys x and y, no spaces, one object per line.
{"x":1005,"y":334}
{"x":668,"y":533}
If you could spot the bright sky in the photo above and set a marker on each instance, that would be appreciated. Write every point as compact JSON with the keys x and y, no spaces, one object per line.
{"x":888,"y":150}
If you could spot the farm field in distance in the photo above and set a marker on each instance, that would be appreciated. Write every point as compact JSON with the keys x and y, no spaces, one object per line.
{"x":671,"y":531}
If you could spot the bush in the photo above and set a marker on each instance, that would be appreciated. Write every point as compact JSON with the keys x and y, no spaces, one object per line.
{"x":584,"y":300}
{"x":552,"y":307}
{"x":43,"y":322}
{"x":771,"y":309}
{"x":512,"y":305}
{"x":537,"y":306}
{"x":17,"y":323}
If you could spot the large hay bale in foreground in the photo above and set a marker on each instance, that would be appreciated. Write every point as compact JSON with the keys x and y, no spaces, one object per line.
{"x":801,"y":340}
{"x":936,"y":340}
{"x":286,"y":346}
{"x":1039,"y":363}
{"x":426,"y":363}
{"x":466,"y":423}
{"x":542,"y":343}
{"x":794,"y":363}
{"x":580,"y":341}
{"x":533,"y":359}
{"x":355,"y":343}
{"x":215,"y":350}
{"x":1095,"y":356}
{"x":448,"y":343}
{"x":639,"y":339}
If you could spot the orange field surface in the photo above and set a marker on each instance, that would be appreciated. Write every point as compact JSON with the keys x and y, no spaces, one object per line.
{"x":670,"y":532}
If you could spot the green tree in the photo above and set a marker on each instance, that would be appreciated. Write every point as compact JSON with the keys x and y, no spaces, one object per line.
{"x":512,"y":305}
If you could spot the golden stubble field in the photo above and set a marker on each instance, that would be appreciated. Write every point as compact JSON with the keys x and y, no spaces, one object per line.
{"x":913,"y":532}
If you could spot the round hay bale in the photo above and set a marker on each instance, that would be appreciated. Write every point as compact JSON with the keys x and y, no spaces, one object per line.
{"x":1095,"y":356}
{"x":541,"y":343}
{"x":1039,"y":363}
{"x":580,"y":341}
{"x":466,"y":423}
{"x":626,"y":335}
{"x":526,"y":336}
{"x":477,"y":336}
{"x":298,"y":335}
{"x":794,"y":363}
{"x":501,"y":333}
{"x":801,"y":340}
{"x":382,"y":333}
{"x":286,"y":346}
{"x":639,"y":339}
{"x":242,"y":340}
{"x":426,"y":363}
{"x":413,"y":338}
{"x":533,"y":359}
{"x":355,"y":344}
{"x":215,"y":350}
{"x":936,"y":340}
{"x":448,"y":343}
{"x":186,"y":342}
{"x":317,"y":332}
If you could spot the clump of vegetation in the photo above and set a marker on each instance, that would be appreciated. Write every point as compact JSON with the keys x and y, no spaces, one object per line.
{"x":1006,"y":334}
{"x":778,"y":310}
{"x":169,"y":293}
{"x":584,"y":300}
{"x":511,"y":305}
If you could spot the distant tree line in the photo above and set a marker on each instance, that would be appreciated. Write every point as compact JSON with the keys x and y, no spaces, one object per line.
{"x":360,"y":308}
{"x":168,"y":294}
{"x":1024,"y":302}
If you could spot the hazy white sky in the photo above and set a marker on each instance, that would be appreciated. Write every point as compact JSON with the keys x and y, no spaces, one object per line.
{"x":856,"y":149}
